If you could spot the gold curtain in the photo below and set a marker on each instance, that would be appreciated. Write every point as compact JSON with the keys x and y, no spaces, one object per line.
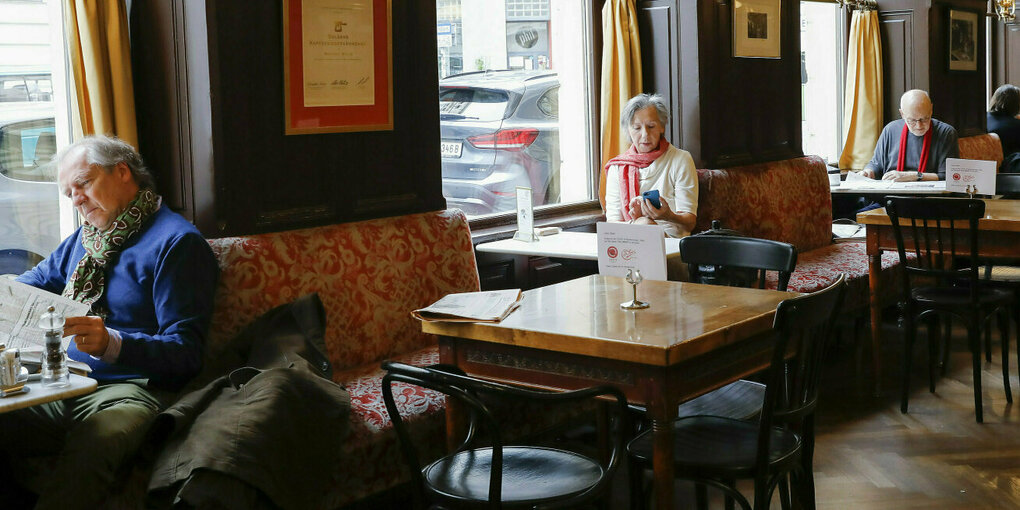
{"x":621,"y":77}
{"x":862,"y":100}
{"x":100,"y":55}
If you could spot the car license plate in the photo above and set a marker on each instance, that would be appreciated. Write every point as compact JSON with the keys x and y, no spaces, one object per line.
{"x":450,"y":149}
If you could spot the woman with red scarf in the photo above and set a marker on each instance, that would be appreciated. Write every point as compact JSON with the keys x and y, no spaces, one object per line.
{"x":651,"y":163}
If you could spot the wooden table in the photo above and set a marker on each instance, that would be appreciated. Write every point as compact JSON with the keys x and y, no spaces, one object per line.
{"x":567,"y":245}
{"x":693,"y":338}
{"x":999,"y":236}
{"x":38,"y":394}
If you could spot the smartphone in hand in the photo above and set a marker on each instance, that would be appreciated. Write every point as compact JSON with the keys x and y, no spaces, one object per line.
{"x":652,"y":196}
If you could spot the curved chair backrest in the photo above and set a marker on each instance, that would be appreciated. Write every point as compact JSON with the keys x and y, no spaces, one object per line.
{"x":477,"y":396}
{"x":1008,"y":185}
{"x":937,"y":231}
{"x":738,"y":261}
{"x":802,"y":325}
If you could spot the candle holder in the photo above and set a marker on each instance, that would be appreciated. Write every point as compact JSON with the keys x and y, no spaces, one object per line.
{"x":634,"y":278}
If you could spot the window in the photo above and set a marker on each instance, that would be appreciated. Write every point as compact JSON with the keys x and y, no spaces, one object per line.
{"x":33,"y":219}
{"x":821,"y":79}
{"x":502,"y":65}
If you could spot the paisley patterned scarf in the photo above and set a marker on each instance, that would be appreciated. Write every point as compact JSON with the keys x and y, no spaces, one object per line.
{"x":88,"y":281}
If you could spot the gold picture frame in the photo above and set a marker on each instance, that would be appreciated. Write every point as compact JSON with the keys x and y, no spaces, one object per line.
{"x":756,"y":28}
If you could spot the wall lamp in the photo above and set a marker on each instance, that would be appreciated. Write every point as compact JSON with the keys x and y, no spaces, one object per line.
{"x":1005,"y":10}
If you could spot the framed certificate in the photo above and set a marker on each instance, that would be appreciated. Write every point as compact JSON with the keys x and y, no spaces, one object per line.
{"x":338,"y":69}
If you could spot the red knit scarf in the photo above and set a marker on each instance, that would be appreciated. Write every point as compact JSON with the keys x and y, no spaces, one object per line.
{"x":630,"y":179}
{"x":921,"y":165}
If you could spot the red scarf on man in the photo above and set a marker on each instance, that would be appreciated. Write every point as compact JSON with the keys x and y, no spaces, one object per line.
{"x":921,"y":165}
{"x":630,"y":178}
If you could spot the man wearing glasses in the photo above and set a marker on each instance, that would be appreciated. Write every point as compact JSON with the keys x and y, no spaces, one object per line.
{"x":915,"y":147}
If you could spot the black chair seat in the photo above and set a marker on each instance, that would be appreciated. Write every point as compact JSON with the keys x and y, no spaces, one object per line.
{"x":741,"y":400}
{"x":530,"y":474}
{"x":948,"y":297}
{"x":715,"y":447}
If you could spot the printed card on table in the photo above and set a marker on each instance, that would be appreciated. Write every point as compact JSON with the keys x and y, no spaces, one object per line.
{"x":525,"y":216}
{"x":970,"y":176}
{"x":623,"y":246}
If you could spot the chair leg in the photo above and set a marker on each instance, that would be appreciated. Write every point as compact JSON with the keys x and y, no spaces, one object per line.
{"x":636,"y":473}
{"x":947,"y":338}
{"x":933,"y":350}
{"x":1004,"y":338}
{"x":700,"y":496}
{"x":908,"y":355}
{"x":988,"y":341}
{"x":974,"y":341}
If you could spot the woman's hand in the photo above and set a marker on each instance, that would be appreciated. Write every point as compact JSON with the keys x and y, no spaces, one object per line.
{"x":662,"y":213}
{"x":635,"y":207}
{"x":90,"y":334}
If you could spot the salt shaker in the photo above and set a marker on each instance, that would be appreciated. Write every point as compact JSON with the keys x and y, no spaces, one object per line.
{"x":54,"y":359}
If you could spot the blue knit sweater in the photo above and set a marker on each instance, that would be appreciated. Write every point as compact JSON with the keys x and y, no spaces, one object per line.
{"x":159,"y":294}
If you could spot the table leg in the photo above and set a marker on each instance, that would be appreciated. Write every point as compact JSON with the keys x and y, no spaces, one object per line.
{"x":455,"y":416}
{"x":874,"y":270}
{"x":662,"y":462}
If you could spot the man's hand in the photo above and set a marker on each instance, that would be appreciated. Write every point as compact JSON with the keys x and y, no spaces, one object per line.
{"x":90,"y":334}
{"x":894,"y":175}
{"x":867,"y":172}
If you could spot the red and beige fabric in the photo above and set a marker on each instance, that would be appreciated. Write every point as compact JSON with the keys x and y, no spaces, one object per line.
{"x":790,"y":201}
{"x":987,"y":147}
{"x":369,"y":275}
{"x":786,"y":201}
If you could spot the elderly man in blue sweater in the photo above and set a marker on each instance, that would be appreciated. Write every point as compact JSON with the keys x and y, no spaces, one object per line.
{"x":148,"y":276}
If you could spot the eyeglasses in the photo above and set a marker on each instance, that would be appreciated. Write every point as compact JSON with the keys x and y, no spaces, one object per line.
{"x":915,"y":122}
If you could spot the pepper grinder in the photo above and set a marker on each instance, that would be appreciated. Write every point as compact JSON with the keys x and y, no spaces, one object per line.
{"x":54,"y":361}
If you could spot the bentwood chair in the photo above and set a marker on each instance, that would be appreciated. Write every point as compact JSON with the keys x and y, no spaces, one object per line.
{"x":488,"y":473}
{"x":1006,"y":275}
{"x":778,"y":447}
{"x":943,"y":280}
{"x":736,"y":262}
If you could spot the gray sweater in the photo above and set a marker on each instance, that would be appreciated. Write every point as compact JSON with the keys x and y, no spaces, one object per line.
{"x":887,"y":150}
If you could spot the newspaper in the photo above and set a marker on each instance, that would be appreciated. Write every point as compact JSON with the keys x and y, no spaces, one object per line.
{"x":486,"y":306}
{"x":22,"y":305}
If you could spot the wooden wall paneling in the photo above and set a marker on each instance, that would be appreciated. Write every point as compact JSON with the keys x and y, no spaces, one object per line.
{"x":897,"y":27}
{"x":657,"y":22}
{"x":211,"y":93}
{"x":750,"y":108}
{"x":1011,"y":53}
{"x":958,"y":96}
{"x":161,"y":99}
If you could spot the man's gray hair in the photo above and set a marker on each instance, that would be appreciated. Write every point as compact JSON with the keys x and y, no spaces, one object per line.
{"x":640,"y":102}
{"x":107,"y":151}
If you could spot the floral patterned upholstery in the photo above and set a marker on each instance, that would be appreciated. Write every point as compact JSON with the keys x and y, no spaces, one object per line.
{"x":790,"y":201}
{"x":369,"y":276}
{"x":785,"y":201}
{"x":987,"y":147}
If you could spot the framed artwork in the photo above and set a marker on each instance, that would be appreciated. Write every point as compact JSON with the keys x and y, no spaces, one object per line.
{"x":963,"y":40}
{"x":756,"y":27}
{"x":337,"y":66}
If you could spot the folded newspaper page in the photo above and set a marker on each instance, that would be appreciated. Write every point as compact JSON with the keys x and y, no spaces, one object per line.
{"x":485,"y":306}
{"x":22,"y":305}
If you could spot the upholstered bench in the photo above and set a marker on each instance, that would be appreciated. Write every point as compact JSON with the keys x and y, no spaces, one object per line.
{"x":790,"y":201}
{"x":369,"y":276}
{"x":987,"y":147}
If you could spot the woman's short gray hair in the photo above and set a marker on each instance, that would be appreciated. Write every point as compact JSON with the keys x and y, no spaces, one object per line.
{"x":107,"y":151}
{"x":642,"y":101}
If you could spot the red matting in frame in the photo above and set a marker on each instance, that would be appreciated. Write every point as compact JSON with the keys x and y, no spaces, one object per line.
{"x":336,"y":119}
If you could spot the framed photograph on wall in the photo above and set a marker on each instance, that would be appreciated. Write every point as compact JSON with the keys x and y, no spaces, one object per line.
{"x":963,"y":40}
{"x":756,"y":26}
{"x":337,"y":66}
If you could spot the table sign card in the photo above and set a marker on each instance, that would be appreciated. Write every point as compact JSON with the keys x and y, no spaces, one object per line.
{"x":970,"y":176}
{"x":525,"y":217}
{"x":624,"y":246}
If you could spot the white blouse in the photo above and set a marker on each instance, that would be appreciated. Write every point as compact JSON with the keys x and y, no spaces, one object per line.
{"x":673,"y":174}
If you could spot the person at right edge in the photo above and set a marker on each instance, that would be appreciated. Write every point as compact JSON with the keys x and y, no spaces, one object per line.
{"x":915,"y":147}
{"x":1002,"y":120}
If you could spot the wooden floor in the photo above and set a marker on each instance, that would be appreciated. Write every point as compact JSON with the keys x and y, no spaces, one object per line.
{"x":871,"y":456}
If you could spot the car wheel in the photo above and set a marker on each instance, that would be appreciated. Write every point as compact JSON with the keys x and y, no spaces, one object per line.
{"x":17,"y":261}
